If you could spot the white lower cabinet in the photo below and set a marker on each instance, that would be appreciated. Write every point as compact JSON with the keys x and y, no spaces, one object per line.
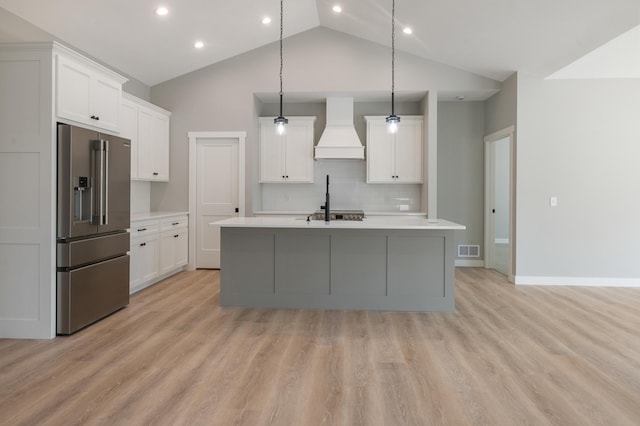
{"x":145,"y":257}
{"x":174,"y":250}
{"x":159,"y":249}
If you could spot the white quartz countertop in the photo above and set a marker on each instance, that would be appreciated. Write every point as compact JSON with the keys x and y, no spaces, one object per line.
{"x":135,"y":217}
{"x":366,"y":223}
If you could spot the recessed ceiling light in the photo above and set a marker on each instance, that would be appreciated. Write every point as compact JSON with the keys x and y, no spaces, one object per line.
{"x":337,"y":8}
{"x":161,"y":11}
{"x":407,"y":30}
{"x":266,"y":20}
{"x":198,"y":44}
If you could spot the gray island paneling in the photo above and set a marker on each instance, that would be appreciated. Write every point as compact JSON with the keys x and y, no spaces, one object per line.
{"x":377,"y":264}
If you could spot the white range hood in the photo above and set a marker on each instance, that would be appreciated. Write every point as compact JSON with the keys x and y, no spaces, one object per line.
{"x":339,"y":139}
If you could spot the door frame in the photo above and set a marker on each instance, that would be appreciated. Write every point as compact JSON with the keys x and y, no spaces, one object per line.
{"x":194,"y":138}
{"x":489,"y":197}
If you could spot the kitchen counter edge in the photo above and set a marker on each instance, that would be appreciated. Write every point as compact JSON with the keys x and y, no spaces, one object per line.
{"x":136,"y":217}
{"x":367,"y":223}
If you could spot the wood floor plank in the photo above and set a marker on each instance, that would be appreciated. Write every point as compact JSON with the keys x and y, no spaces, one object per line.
{"x":517,"y":355}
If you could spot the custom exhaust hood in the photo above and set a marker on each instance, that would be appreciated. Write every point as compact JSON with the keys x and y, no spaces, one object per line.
{"x":339,"y":138}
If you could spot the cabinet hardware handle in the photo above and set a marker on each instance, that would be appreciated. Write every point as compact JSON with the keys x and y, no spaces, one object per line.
{"x":143,"y":244}
{"x":175,"y":223}
{"x":176,"y":236}
{"x":142,"y":229}
{"x":155,"y":173}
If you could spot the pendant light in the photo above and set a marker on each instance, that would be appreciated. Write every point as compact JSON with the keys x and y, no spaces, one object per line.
{"x":280,"y":121}
{"x":393,"y":120}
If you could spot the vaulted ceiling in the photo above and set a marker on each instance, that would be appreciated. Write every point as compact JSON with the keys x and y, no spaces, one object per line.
{"x":492,"y":38}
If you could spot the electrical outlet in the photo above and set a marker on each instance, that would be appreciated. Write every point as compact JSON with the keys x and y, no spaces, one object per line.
{"x":553,"y":201}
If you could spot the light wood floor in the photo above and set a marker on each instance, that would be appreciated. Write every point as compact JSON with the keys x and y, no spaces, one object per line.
{"x":507,"y":356}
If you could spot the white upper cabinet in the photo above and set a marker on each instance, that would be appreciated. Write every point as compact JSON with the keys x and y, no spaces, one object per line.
{"x":395,"y":158}
{"x":286,"y":158}
{"x":147,"y":126}
{"x":129,"y":130}
{"x":87,"y":93}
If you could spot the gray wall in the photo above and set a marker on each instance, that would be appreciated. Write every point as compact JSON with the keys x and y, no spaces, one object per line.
{"x":461,"y":168}
{"x":578,"y":140}
{"x":502,"y":107}
{"x":221,"y":97}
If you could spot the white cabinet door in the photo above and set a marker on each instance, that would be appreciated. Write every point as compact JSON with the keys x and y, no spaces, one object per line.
{"x":87,"y":95}
{"x":106,"y":102}
{"x":408,"y":155}
{"x":161,"y":151}
{"x":146,"y":156}
{"x":129,"y":130}
{"x":271,"y":153}
{"x":380,"y":153}
{"x":395,"y":158}
{"x":174,"y":250}
{"x":167,"y":251}
{"x":181,"y":248}
{"x":135,"y":273}
{"x":286,"y":158}
{"x":153,"y":145}
{"x":73,"y":90}
{"x":298,"y":152}
{"x":144,"y":259}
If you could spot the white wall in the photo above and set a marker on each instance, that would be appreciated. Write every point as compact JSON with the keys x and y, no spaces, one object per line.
{"x":578,"y":140}
{"x":221,"y":97}
{"x":140,"y":196}
{"x":15,"y":29}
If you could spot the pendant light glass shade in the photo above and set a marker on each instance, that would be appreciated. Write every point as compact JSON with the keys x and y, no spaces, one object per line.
{"x":281,"y":121}
{"x":393,"y":120}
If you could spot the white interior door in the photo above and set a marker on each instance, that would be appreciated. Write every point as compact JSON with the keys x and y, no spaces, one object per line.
{"x":498,"y":203}
{"x":216,"y":189}
{"x":217,"y":198}
{"x":500,"y":208}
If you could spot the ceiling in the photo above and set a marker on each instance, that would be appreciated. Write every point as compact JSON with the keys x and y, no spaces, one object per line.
{"x":492,"y":38}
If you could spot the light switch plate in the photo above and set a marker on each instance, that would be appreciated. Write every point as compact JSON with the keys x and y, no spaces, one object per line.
{"x":553,"y":201}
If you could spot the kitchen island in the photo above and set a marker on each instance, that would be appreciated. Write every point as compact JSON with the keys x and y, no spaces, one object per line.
{"x":379,"y":263}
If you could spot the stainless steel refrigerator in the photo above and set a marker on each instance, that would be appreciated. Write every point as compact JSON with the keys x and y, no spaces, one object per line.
{"x":92,"y":220}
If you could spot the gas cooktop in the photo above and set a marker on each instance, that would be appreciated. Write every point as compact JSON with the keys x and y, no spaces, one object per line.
{"x":339,"y":215}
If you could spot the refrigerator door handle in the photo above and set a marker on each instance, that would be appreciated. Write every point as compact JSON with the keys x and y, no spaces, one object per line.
{"x":98,"y":147}
{"x":105,"y":212}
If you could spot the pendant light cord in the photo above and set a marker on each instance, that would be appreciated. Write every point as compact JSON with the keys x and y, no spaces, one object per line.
{"x":393,"y":53}
{"x":281,"y":62}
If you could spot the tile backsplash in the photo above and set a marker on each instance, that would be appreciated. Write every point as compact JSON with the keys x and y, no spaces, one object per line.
{"x":348,"y":189}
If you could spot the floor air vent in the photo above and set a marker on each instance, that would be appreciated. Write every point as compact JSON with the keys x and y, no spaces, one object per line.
{"x":468,"y":250}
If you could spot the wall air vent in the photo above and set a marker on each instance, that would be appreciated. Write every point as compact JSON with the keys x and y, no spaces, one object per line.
{"x":468,"y":250}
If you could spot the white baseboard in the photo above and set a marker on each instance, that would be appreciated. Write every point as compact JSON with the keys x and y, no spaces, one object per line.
{"x":470,"y":263}
{"x":578,"y":281}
